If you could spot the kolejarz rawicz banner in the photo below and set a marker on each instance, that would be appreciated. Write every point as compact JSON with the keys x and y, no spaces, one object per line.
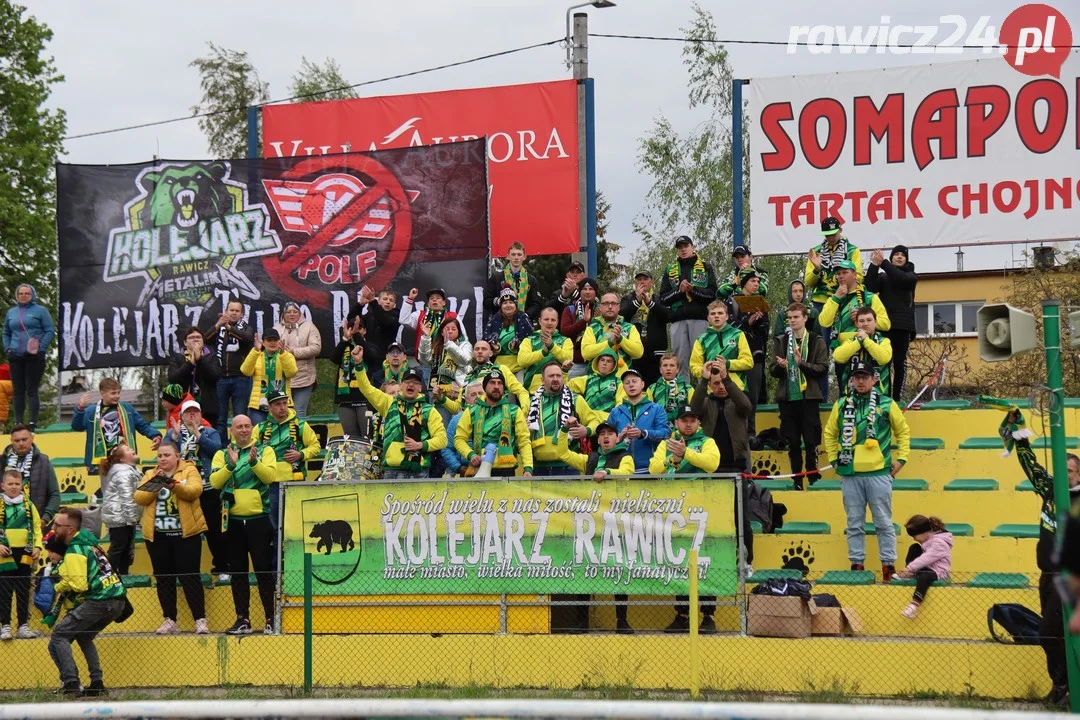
{"x":523,"y":535}
{"x":149,"y":248}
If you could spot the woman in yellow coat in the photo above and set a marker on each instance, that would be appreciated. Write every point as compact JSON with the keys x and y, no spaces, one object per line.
{"x":172,"y":528}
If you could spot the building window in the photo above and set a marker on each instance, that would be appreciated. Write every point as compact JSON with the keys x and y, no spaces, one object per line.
{"x":946,"y":318}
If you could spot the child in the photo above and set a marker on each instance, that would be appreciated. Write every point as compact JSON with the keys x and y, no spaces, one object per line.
{"x":928,"y":560}
{"x":20,"y":546}
{"x":109,"y":423}
{"x":672,"y":391}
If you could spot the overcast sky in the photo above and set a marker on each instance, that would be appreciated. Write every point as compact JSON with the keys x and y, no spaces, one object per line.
{"x":127,"y":62}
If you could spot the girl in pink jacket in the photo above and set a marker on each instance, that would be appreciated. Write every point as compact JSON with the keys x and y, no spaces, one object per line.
{"x":928,"y":560}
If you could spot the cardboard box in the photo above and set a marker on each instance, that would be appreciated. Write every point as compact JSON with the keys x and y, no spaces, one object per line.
{"x":774,"y":616}
{"x":836,"y":621}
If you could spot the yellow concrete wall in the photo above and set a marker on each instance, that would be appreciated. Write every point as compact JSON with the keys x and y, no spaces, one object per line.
{"x":857,"y":666}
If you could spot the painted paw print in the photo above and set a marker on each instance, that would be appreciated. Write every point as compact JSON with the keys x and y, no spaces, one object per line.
{"x":798,"y":557}
{"x":765,"y":466}
{"x":74,"y":483}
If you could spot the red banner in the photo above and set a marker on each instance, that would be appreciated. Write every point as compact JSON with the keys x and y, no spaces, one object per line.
{"x":532,"y":139}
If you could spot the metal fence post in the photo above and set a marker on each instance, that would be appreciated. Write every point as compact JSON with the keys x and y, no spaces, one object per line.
{"x":307,"y":624}
{"x":695,"y":617}
{"x":739,"y":510}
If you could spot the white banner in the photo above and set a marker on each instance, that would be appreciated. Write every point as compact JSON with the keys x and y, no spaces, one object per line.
{"x":944,"y":154}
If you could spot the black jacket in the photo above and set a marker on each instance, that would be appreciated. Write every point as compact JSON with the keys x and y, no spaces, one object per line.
{"x":813,"y":367}
{"x":204,"y":374}
{"x":697,"y":307}
{"x":757,"y":334}
{"x":231,"y":346}
{"x":654,"y":331}
{"x":381,"y":327}
{"x":896,"y":288}
{"x":736,"y":409}
{"x":44,"y":488}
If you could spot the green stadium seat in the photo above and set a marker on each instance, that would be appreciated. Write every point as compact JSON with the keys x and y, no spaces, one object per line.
{"x":1015,"y":530}
{"x":972,"y":484}
{"x":775,"y":574}
{"x":870,"y":529}
{"x":768,"y":407}
{"x":909,"y":484}
{"x":1043,"y":443}
{"x":847,"y":577}
{"x":774,"y":485}
{"x":994,"y":443}
{"x":57,"y":427}
{"x":927,"y":443}
{"x":756,"y":527}
{"x":804,"y":528}
{"x":1025,"y":486}
{"x":322,"y":419}
{"x":826,"y":485}
{"x":137,"y":581}
{"x":999,"y":581}
{"x":67,"y":462}
{"x":75,"y":498}
{"x":910,"y":582}
{"x":961,"y":529}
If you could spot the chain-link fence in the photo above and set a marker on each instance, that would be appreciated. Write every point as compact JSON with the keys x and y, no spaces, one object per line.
{"x":560,"y":583}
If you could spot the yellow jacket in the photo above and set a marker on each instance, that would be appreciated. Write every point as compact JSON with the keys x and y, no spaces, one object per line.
{"x":17,"y":537}
{"x":254,"y":366}
{"x":818,"y":286}
{"x":707,"y":460}
{"x":845,"y":328}
{"x":743,"y":362}
{"x":307,"y":445}
{"x":523,"y":452}
{"x":382,"y":403}
{"x":630,"y":346}
{"x":187,"y":488}
{"x":528,"y":357}
{"x":545,"y":448}
{"x":881,"y":352}
{"x":580,"y":461}
{"x":248,"y":501}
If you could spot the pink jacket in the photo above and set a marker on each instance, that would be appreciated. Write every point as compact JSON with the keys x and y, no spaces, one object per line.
{"x":936,"y":555}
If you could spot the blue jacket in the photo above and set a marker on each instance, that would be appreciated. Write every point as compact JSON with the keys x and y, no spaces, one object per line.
{"x":25,"y":321}
{"x":83,"y":421}
{"x":454,"y":462}
{"x":209,"y":444}
{"x":652,"y":420}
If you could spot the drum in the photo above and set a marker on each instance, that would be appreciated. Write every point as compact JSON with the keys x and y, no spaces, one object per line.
{"x":348,"y":459}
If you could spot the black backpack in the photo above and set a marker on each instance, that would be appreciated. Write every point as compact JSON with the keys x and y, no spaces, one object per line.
{"x":1018,"y":621}
{"x":760,"y":507}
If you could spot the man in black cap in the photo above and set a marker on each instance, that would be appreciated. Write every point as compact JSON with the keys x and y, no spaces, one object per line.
{"x":493,"y":420}
{"x":567,"y":293}
{"x":688,"y":287}
{"x":894,"y":282}
{"x":650,"y":318}
{"x":744,"y":260}
{"x":412,"y":430}
{"x":820,"y":274}
{"x":516,"y":277}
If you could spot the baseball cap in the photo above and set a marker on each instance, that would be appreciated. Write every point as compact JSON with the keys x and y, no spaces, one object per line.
{"x":605,"y":425}
{"x":275,"y":395}
{"x":830,"y":226}
{"x":844,"y":265}
{"x":643,"y":274}
{"x":271,"y":334}
{"x":861,"y":367}
{"x":576,"y":266}
{"x":686,"y":411}
{"x":395,"y":347}
{"x":683,"y":240}
{"x":412,"y":374}
{"x":436,"y":291}
{"x":631,"y":371}
{"x":741,"y":250}
{"x":189,"y":404}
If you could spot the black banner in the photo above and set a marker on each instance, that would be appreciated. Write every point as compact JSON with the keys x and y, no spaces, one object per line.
{"x":147,"y":249}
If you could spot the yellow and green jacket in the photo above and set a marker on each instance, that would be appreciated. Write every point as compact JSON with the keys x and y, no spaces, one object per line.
{"x":502,"y":425}
{"x":249,"y":483}
{"x":292,"y":433}
{"x":395,"y":411}
{"x":870,"y":458}
{"x":84,"y":572}
{"x":729,"y":343}
{"x":836,"y":314}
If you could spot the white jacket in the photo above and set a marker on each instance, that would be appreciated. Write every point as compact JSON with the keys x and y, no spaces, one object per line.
{"x":305,"y":343}
{"x":459,"y":353}
{"x":118,"y":506}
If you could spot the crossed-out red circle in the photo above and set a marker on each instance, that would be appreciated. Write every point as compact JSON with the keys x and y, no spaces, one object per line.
{"x":281,"y":270}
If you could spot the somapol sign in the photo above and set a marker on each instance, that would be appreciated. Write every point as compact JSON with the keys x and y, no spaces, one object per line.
{"x":945,"y":154}
{"x":149,"y":248}
{"x":625,"y":535}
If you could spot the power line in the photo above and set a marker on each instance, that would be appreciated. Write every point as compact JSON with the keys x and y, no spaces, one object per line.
{"x":797,"y":43}
{"x":501,"y":53}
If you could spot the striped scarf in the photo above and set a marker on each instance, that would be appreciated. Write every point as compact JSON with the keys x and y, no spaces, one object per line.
{"x":106,"y":438}
{"x":494,"y":424}
{"x":698,"y":278}
{"x":392,"y":375}
{"x":796,"y":381}
{"x":850,"y":420}
{"x":520,"y":284}
{"x":346,"y":382}
{"x":671,"y":394}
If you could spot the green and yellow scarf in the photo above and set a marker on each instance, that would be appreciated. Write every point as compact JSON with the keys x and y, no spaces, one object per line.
{"x":270,"y":379}
{"x":671,"y":395}
{"x":408,"y":417}
{"x":796,"y":381}
{"x":391,"y":375}
{"x":493,"y":424}
{"x":853,"y":417}
{"x":699,"y":277}
{"x":102,"y":446}
{"x":346,"y":382}
{"x":520,"y":284}
{"x":695,"y":443}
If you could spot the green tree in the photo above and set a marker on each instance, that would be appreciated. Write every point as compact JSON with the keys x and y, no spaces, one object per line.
{"x":314,"y":82}
{"x":32,"y":138}
{"x":230,"y":84}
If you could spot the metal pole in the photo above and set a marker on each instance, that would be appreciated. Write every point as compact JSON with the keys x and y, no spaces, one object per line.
{"x":308,"y":665}
{"x":695,"y":617}
{"x":1051,"y":317}
{"x":253,"y":132}
{"x":590,"y":178}
{"x":580,"y":62}
{"x":740,"y":545}
{"x":737,"y":233}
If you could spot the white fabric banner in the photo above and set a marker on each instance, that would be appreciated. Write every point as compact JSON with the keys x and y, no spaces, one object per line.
{"x":944,"y":154}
